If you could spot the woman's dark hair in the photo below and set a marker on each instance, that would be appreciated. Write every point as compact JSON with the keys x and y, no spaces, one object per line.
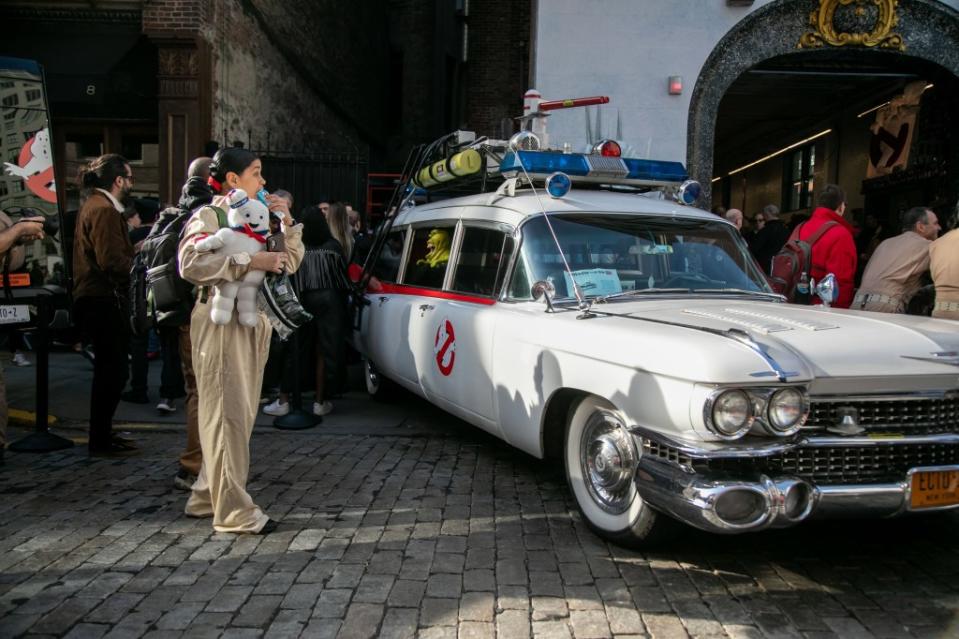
{"x":230,"y":160}
{"x":102,"y":172}
{"x":316,"y":230}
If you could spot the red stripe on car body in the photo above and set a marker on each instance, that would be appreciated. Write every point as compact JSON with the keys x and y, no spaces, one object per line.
{"x":403,"y":289}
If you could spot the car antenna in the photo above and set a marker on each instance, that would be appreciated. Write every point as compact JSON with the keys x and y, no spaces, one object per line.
{"x":581,"y":301}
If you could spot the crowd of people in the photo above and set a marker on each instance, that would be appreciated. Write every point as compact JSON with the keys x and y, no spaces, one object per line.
{"x":873,"y":274}
{"x":228,"y":371}
{"x":225,"y":371}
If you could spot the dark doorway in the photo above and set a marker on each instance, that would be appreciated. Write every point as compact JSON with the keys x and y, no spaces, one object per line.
{"x":795,"y":122}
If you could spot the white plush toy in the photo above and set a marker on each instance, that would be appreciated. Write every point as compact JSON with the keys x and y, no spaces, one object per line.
{"x":249,"y":224}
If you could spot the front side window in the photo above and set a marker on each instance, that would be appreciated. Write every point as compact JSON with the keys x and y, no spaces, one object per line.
{"x":429,"y":256}
{"x":612,"y":254}
{"x":482,"y":258}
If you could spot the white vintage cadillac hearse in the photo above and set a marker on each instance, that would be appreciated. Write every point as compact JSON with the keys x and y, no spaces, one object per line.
{"x":635,"y":339}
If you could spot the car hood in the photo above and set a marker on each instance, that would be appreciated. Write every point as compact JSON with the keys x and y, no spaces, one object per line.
{"x":804,"y":341}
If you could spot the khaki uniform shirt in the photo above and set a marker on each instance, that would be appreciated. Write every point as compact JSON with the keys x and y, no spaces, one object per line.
{"x":894,"y":270}
{"x":944,"y":265}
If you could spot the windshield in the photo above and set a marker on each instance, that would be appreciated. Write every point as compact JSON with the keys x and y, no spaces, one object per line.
{"x":615,"y":254}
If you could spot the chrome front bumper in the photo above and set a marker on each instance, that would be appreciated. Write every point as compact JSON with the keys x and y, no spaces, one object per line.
{"x":762,"y":501}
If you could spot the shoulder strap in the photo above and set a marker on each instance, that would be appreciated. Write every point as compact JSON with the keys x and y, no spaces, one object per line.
{"x":220,"y":216}
{"x":820,"y":232}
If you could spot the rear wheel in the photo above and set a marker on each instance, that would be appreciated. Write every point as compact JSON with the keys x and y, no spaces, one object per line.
{"x":601,"y":461}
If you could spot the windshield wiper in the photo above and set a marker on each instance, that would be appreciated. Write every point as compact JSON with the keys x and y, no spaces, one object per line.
{"x":740,"y":291}
{"x":641,"y":291}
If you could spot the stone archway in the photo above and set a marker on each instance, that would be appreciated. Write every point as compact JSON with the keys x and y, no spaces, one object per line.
{"x":929,"y":30}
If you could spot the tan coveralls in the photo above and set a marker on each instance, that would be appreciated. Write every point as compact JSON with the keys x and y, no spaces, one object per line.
{"x":944,"y":266}
{"x":228,"y":361}
{"x":893,"y":274}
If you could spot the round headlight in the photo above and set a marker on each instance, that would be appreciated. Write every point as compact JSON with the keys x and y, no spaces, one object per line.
{"x":785,"y":410}
{"x":731,"y":414}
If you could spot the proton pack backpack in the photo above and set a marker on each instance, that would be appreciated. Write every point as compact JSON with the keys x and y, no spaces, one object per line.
{"x":791,"y":267}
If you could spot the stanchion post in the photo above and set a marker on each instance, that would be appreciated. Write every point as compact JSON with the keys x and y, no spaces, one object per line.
{"x":41,"y":440}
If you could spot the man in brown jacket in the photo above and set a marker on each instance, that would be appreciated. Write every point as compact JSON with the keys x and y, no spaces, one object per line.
{"x":102,"y":257}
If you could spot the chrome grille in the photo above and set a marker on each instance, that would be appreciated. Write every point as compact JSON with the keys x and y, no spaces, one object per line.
{"x":840,"y":464}
{"x":921,"y":415}
{"x":666,"y":453}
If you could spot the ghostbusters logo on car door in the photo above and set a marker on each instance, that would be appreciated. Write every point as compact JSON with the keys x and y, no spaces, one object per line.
{"x":444,"y":347}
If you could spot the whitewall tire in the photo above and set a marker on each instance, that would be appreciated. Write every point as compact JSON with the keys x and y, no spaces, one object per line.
{"x":377,"y":386}
{"x":601,"y":460}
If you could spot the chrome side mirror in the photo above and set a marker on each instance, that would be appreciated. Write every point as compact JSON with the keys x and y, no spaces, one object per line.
{"x":544,"y":289}
{"x":827,"y":289}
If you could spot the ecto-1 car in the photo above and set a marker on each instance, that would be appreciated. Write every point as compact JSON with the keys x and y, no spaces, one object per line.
{"x":635,"y":339}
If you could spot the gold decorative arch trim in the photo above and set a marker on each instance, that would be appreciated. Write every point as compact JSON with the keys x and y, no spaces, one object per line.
{"x":824,"y":30}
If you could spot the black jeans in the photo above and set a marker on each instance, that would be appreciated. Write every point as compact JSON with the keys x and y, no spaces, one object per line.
{"x":105,"y":328}
{"x":325,"y":336}
{"x":139,"y":366}
{"x":171,"y":375}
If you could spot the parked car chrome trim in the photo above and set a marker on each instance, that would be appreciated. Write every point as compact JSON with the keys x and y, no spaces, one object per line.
{"x":751,"y":448}
{"x":692,"y":498}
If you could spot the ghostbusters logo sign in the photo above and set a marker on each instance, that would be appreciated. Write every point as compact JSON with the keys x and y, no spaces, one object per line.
{"x":35,"y":166}
{"x":444,"y":347}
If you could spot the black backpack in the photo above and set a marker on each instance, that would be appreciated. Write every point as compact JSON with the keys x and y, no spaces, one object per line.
{"x":157,"y":292}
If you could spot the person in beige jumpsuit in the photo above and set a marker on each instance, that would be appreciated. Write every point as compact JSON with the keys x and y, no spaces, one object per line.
{"x":944,"y":266}
{"x":895,"y":270}
{"x":228,"y":360}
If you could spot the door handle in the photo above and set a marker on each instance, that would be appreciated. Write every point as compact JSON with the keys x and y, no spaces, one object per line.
{"x":425,"y":307}
{"x":383,"y":300}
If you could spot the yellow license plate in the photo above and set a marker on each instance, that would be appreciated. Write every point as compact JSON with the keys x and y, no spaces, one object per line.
{"x":931,"y":488}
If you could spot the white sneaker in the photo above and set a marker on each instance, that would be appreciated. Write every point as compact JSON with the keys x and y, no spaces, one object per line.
{"x":21,"y":360}
{"x":276,"y":408}
{"x":322,"y":408}
{"x":166,"y":406}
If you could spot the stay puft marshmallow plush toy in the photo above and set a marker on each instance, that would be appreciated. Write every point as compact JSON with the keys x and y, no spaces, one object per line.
{"x":249,"y":224}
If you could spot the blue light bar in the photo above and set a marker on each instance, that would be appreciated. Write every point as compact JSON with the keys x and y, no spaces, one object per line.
{"x":593,"y":168}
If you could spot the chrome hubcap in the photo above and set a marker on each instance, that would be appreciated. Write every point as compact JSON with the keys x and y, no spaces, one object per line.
{"x":372,"y":378}
{"x":608,"y":461}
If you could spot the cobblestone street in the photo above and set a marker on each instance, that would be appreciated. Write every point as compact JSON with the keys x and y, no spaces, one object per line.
{"x":443,"y":533}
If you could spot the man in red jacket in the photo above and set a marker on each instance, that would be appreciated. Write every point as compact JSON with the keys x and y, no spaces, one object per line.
{"x":835,"y":251}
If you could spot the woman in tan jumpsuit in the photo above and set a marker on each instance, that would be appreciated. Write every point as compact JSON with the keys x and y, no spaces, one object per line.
{"x":229,"y":359}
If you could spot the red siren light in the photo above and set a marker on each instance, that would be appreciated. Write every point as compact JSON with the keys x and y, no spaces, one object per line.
{"x":608,"y":149}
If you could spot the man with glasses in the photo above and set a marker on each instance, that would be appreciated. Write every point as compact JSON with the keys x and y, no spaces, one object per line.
{"x":102,"y":257}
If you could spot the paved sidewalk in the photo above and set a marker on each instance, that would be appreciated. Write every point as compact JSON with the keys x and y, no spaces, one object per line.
{"x":431,"y":536}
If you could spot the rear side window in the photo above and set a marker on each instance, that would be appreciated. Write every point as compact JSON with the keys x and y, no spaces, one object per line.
{"x":429,"y":256}
{"x":388,"y":264}
{"x":481,"y":261}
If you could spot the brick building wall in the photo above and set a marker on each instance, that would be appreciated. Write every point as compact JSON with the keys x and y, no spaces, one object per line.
{"x":498,"y":63}
{"x":263,"y":98}
{"x":178,"y":16}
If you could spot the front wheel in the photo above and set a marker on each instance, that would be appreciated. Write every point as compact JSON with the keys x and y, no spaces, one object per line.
{"x":601,"y":460}
{"x":378,"y":387}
